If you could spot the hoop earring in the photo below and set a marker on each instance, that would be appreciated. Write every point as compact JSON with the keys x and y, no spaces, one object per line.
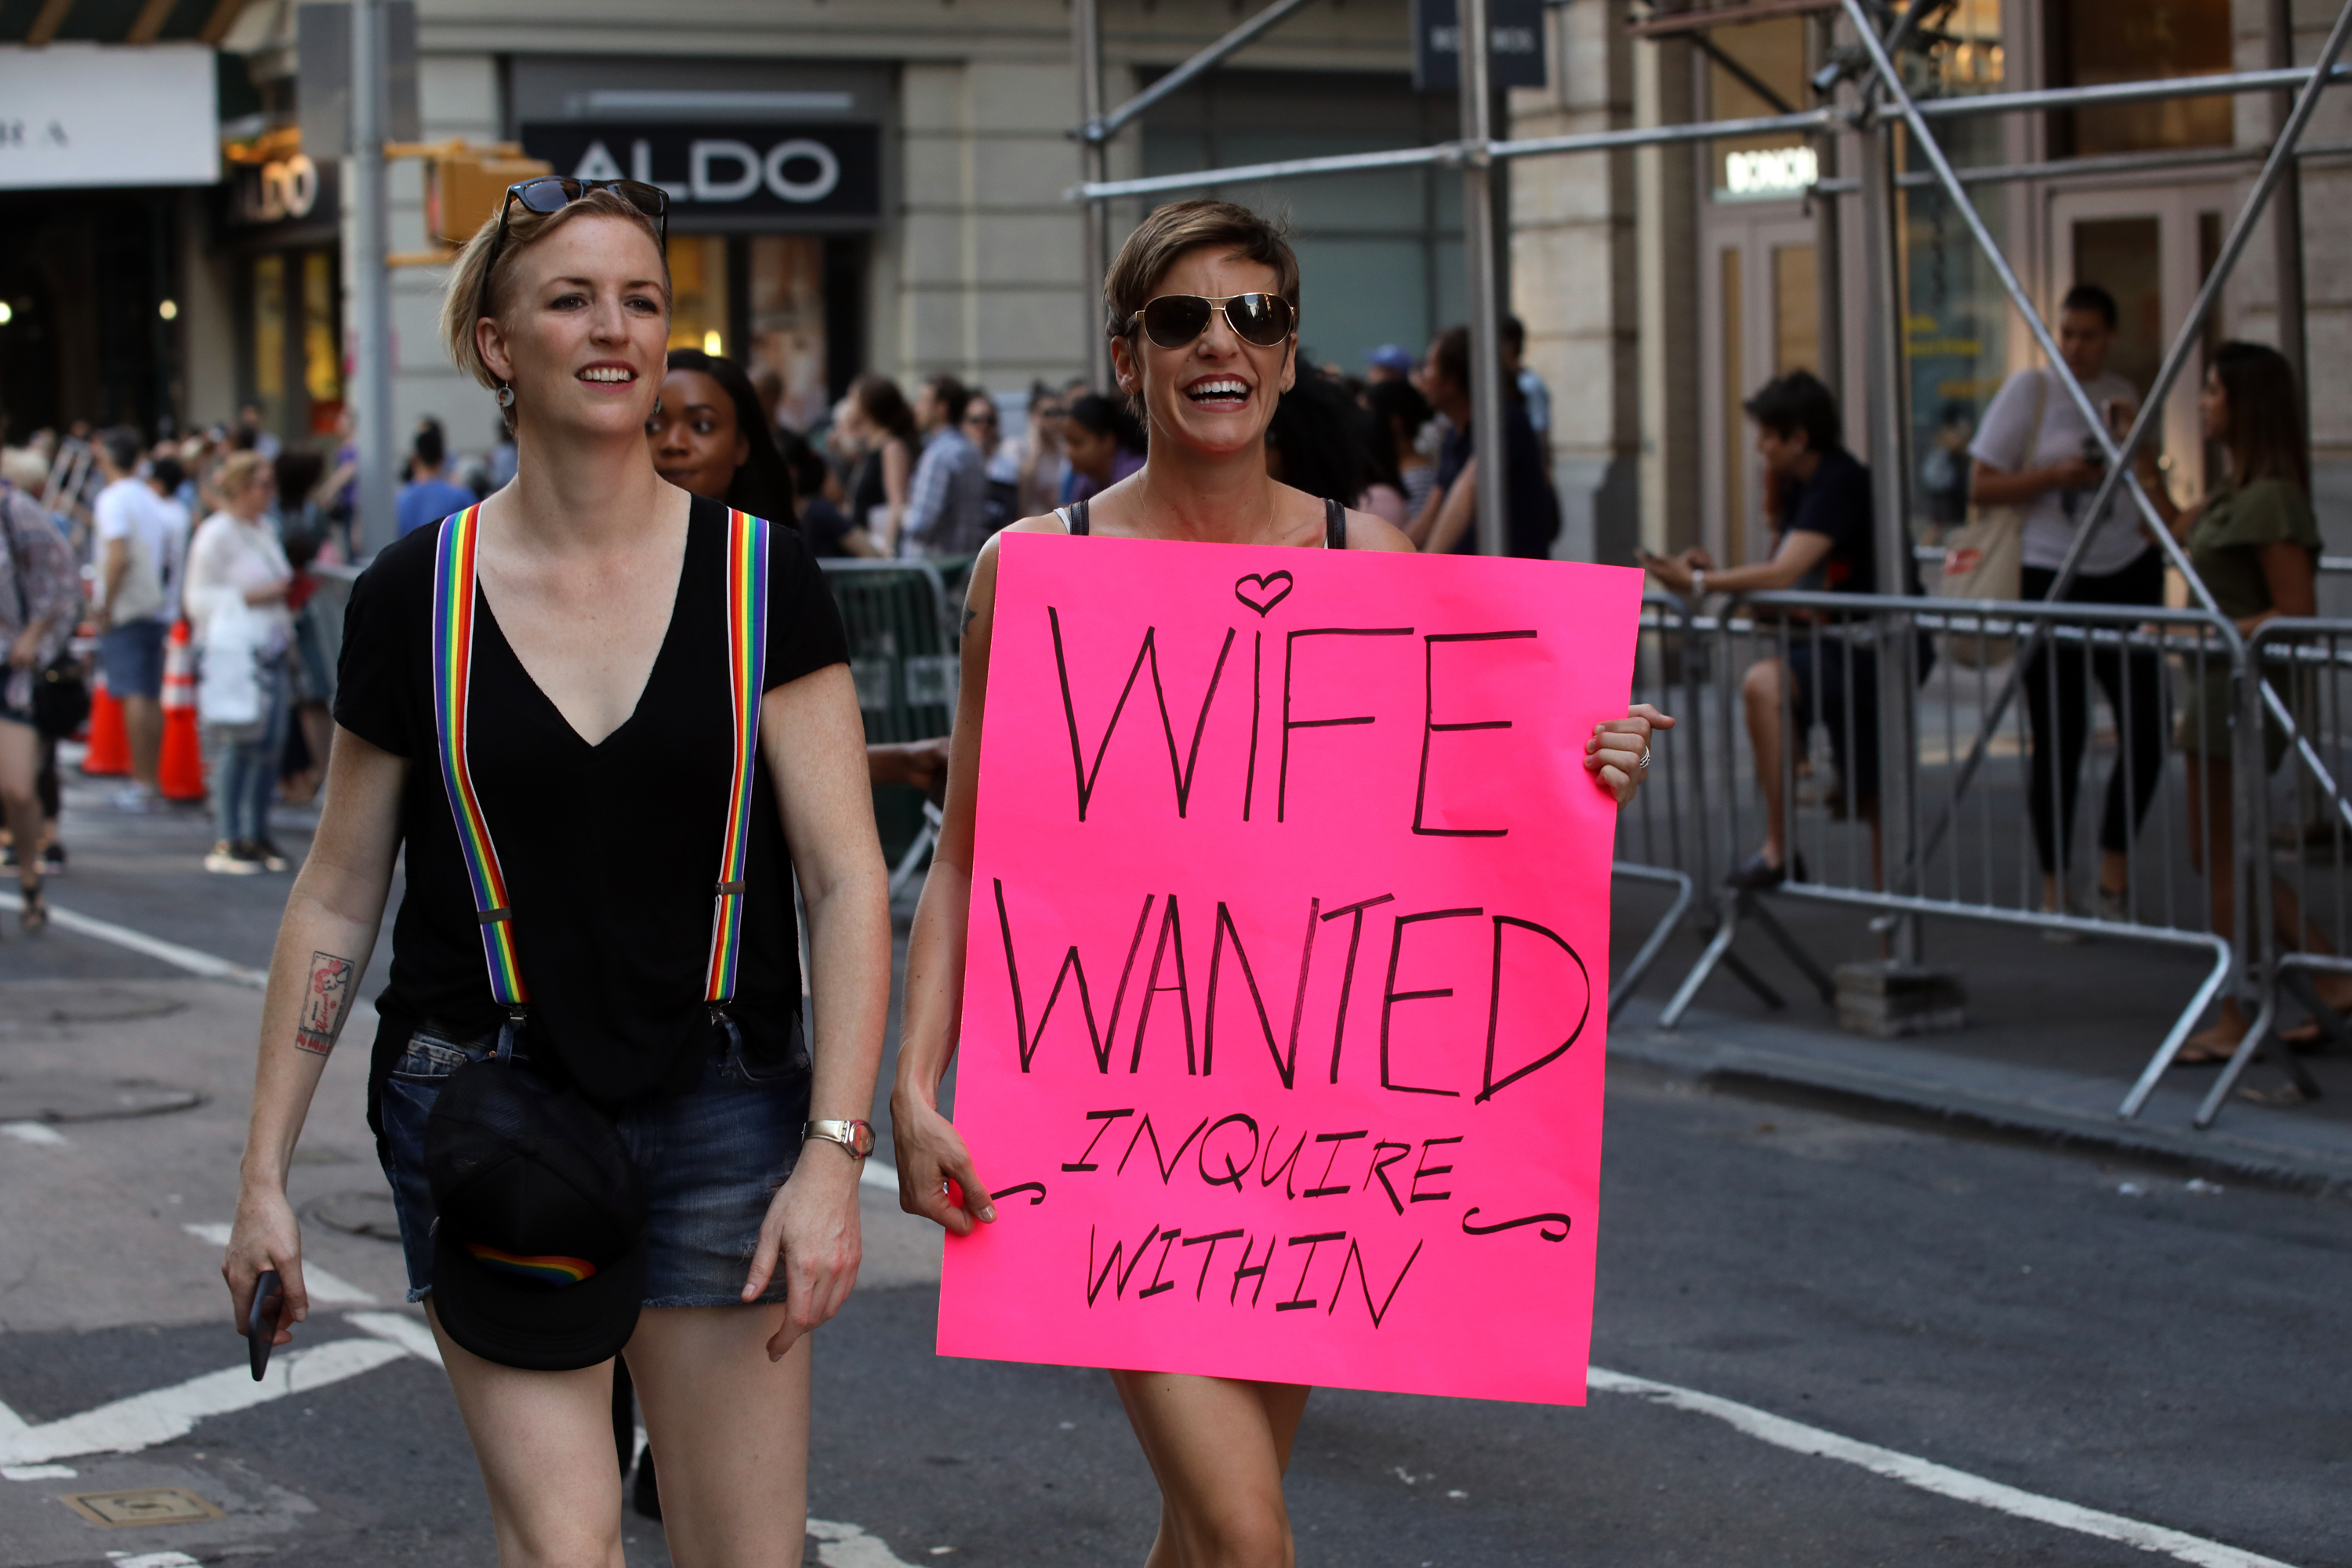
{"x":506,"y":397}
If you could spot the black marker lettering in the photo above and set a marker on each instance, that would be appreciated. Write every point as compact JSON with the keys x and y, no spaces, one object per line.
{"x":1286,"y":1066}
{"x":1289,"y":646}
{"x":1489,"y":1086}
{"x":1365,"y":1281}
{"x":1036,"y":1187}
{"x":1380,"y":1168}
{"x":1257,"y":696}
{"x":1392,"y":996}
{"x":1183,"y":776}
{"x":1249,"y":1270}
{"x":1426,"y":1169}
{"x":1102,"y":1040}
{"x":1170,"y":928}
{"x":1210,"y":1257}
{"x":1095,"y":1281}
{"x":1338,"y":1141}
{"x":1347,"y":974}
{"x":1284,"y":1169}
{"x":1167,"y":1166}
{"x":1233,"y":1172}
{"x":1106,"y":1118}
{"x":1084,"y":775}
{"x":1299,"y":1303}
{"x":1430,"y":726}
{"x":1544,"y":1220}
{"x":1167,"y":1242}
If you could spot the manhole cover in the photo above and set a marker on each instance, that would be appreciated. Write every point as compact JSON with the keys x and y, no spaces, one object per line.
{"x":359,"y":1214}
{"x":155,"y":1505}
{"x":56,"y":1096}
{"x":50,"y":1001}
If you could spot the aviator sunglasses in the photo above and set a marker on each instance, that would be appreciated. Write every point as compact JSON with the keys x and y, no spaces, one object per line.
{"x":554,"y":193}
{"x":1173,"y":321}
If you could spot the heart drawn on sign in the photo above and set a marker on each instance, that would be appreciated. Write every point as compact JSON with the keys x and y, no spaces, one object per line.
{"x":1271,"y":590}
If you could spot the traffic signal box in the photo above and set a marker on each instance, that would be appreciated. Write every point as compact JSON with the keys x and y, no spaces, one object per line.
{"x":464,"y":185}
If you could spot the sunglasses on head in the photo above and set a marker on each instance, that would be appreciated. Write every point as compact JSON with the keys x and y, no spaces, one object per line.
{"x":554,"y":193}
{"x":1173,"y":321}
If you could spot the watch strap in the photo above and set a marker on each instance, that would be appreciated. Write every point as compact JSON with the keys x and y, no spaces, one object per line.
{"x":854,"y":1135}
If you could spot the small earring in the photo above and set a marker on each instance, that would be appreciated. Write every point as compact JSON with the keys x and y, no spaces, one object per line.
{"x":656,"y":406}
{"x":506,"y":397}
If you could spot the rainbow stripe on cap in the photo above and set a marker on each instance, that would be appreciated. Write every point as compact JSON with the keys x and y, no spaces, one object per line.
{"x":551,"y":1269}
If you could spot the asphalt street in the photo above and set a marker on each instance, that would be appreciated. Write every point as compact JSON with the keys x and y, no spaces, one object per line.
{"x":1805,"y":1314}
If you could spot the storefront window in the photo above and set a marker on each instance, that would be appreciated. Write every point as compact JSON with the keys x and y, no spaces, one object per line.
{"x":2097,"y":41}
{"x":1760,"y":168}
{"x":697,"y":277}
{"x":323,"y":360}
{"x":1956,"y":311}
{"x":785,"y":280}
{"x":270,"y":338}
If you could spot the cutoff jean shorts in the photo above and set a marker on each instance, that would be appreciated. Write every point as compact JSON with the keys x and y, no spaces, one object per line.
{"x":708,"y":1159}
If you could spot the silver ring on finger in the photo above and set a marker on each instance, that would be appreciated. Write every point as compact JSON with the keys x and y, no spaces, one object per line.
{"x":1646,"y":757}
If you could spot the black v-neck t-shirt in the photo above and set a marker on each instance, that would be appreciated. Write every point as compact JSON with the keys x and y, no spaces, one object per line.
{"x":611,"y":851}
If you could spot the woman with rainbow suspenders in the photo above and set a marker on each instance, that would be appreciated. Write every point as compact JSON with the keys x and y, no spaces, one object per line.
{"x":604,"y":1129}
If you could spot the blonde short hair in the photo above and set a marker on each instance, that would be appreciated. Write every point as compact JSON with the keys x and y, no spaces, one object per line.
{"x":464,"y":299}
{"x":1171,"y":232}
{"x":238,"y":472}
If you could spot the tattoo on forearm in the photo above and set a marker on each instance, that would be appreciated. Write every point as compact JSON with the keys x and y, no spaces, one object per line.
{"x":325,"y":1001}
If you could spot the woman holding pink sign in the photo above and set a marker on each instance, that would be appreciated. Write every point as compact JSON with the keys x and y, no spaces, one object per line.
{"x":1202,"y":314}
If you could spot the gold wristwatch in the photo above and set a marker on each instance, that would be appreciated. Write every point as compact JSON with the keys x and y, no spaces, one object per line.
{"x":857,"y":1137}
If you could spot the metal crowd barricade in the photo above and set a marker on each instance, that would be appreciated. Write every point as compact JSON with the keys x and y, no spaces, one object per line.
{"x":902,"y":656}
{"x":1812,"y":660}
{"x":2302,"y":915}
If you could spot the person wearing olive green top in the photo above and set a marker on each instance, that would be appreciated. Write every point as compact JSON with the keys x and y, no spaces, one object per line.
{"x":2255,"y":544}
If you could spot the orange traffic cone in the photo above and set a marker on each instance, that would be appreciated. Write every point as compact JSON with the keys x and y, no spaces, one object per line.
{"x":180,"y":771}
{"x":109,"y":756}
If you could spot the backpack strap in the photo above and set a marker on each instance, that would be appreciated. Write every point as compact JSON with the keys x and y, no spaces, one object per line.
{"x":746,"y":663}
{"x":453,"y":669}
{"x":1334,"y":525}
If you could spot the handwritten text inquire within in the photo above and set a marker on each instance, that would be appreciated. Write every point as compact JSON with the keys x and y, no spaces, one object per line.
{"x":1289,"y":941}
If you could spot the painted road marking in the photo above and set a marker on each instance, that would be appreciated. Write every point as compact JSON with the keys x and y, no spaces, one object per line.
{"x":847,"y":1546}
{"x":144,"y":1420}
{"x":38,"y":1472}
{"x":152,"y":1559}
{"x":39,"y":1132}
{"x":204,"y":963}
{"x":1798,"y":1437}
{"x":326,"y":1289}
{"x":410,"y":1334}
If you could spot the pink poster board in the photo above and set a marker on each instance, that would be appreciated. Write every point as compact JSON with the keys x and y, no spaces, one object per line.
{"x":1286,"y":999}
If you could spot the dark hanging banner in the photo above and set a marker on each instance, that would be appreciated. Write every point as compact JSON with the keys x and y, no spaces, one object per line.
{"x":716,"y":170}
{"x":1516,"y":32}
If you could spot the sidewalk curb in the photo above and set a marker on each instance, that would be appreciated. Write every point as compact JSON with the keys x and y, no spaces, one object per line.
{"x":1705,"y":1054}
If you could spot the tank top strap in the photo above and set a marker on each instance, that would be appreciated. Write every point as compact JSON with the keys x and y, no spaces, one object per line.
{"x":1334,"y":525}
{"x":1073,"y":518}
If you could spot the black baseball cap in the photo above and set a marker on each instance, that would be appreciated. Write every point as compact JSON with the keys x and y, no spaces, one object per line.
{"x":539,"y":1249}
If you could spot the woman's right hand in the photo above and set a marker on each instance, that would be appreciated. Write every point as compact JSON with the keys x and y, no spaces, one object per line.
{"x":930,"y":1154}
{"x":266,"y":1235}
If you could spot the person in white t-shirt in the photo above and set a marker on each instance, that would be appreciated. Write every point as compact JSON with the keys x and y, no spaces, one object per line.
{"x":2046,"y":466}
{"x":139,"y":541}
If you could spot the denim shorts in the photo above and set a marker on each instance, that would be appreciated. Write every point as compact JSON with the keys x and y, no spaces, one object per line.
{"x":709,"y":1160}
{"x":131,"y":657}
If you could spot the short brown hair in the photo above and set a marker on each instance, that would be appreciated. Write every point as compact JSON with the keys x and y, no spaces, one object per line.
{"x":1170,"y":233}
{"x":525,"y":228}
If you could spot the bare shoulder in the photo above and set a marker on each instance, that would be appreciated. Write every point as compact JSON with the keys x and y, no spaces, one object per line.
{"x":1366,"y":531}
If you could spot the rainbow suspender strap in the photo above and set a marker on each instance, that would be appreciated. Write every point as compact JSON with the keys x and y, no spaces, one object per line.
{"x":453,"y":601}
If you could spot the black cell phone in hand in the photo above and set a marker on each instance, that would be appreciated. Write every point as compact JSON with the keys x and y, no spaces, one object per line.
{"x":261,"y":1320}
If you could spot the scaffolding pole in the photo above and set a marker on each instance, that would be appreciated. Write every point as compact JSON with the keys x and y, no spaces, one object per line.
{"x":1086,"y":42}
{"x":1478,"y":239}
{"x":370,"y":283}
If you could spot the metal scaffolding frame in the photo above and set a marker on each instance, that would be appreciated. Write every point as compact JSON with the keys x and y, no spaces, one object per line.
{"x":1877,"y":109}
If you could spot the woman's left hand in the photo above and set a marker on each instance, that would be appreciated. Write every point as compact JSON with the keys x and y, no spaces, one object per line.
{"x":1619,"y":751}
{"x":26,"y":652}
{"x":811,"y":1232}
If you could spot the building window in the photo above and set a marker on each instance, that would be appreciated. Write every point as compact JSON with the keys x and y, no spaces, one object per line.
{"x":2093,"y":42}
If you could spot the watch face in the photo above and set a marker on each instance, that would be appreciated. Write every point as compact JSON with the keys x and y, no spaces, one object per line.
{"x":861,"y":1139}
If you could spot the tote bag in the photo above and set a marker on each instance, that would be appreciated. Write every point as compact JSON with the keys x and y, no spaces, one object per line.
{"x":1985,"y":559}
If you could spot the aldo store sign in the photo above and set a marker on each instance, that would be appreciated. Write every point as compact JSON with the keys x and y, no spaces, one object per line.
{"x":723,"y":172}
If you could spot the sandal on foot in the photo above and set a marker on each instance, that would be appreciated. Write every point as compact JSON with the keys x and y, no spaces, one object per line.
{"x":36,"y":911}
